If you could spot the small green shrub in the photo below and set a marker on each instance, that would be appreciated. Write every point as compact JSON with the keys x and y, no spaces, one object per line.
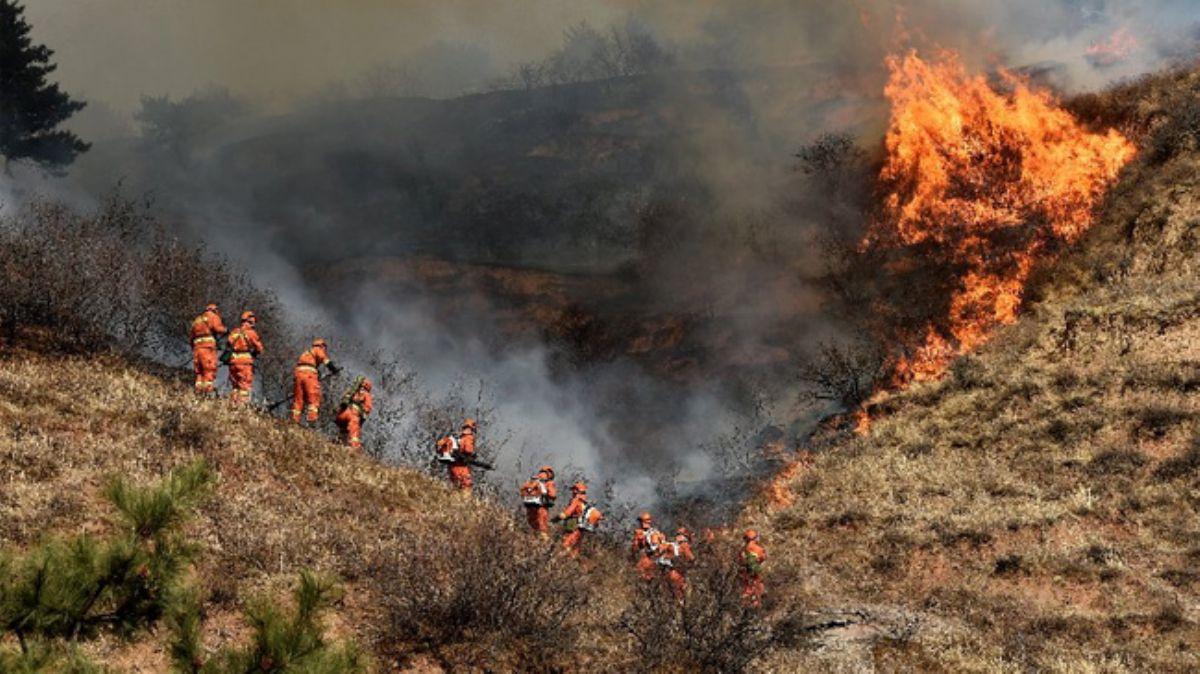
{"x":42,"y":658}
{"x":283,"y":640}
{"x":73,"y":589}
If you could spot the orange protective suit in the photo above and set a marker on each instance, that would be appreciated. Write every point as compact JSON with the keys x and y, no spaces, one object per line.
{"x":538,"y":495}
{"x":459,"y":471}
{"x":246,"y":346}
{"x":573,"y":538}
{"x":306,"y":392}
{"x":205,"y":330}
{"x":647,"y":543}
{"x":350,"y":420}
{"x":753,"y":557}
{"x":677,"y":557}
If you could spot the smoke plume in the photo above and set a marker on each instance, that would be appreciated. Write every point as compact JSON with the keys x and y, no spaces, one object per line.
{"x":632,"y":252}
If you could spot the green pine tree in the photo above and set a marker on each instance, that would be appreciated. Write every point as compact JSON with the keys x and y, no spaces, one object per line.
{"x":75,"y":588}
{"x":31,"y":109}
{"x":290,"y":641}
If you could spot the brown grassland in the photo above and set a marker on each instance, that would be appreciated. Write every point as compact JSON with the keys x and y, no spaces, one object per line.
{"x":1037,"y":508}
{"x":1034,"y":510}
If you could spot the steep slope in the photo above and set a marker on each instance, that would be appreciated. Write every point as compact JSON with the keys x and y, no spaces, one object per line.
{"x":1035,"y":508}
{"x":286,"y":499}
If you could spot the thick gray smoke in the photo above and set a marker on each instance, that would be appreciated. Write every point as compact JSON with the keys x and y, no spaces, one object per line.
{"x":645,"y":164}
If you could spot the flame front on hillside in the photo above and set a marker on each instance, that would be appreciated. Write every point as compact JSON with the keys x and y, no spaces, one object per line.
{"x":987,"y":183}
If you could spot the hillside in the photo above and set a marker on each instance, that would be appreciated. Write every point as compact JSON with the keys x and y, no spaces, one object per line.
{"x":286,"y":499}
{"x":1036,"y":508}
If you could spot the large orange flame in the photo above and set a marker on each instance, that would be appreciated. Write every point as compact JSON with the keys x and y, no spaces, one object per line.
{"x":988,"y":179}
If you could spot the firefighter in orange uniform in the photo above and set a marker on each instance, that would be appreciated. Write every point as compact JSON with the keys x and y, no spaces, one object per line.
{"x":206,"y":329}
{"x":580,"y":517}
{"x":355,"y":408}
{"x":645,"y":547}
{"x":675,"y":559}
{"x":306,"y":394}
{"x":458,"y":459}
{"x":753,"y":557}
{"x":244,"y":346}
{"x":538,"y":495}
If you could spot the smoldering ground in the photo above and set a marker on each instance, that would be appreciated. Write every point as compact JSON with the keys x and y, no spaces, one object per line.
{"x":323,"y":136}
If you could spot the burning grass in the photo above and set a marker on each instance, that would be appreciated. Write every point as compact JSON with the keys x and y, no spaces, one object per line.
{"x":1037,"y":502}
{"x":983,"y":182}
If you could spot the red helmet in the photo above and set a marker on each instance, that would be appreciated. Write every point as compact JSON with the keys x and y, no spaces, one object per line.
{"x":645,"y":518}
{"x":548,"y":471}
{"x":470,"y":423}
{"x":579,"y":488}
{"x":212,"y":306}
{"x":750,"y":535}
{"x":248,"y":316}
{"x":318,"y":342}
{"x":366,"y":384}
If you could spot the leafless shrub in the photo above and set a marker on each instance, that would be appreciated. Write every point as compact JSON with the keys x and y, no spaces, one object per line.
{"x":485,"y":585}
{"x":111,"y":280}
{"x":426,"y":417}
{"x":844,"y":374}
{"x":712,"y":629}
{"x":589,"y":54}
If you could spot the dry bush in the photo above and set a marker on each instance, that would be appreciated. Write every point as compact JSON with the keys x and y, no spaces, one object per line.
{"x":1155,"y":421}
{"x":1187,"y":465}
{"x":844,"y":374}
{"x":111,"y":280}
{"x":116,"y":280}
{"x":1179,"y":134}
{"x":711,"y":629}
{"x":1116,"y":462}
{"x":486,"y":587}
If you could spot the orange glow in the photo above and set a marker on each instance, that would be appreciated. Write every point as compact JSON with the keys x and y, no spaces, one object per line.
{"x":1112,"y":51}
{"x":987,"y":181}
{"x":778,"y":492}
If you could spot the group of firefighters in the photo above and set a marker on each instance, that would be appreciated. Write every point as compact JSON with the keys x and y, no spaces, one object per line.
{"x":654,"y":555}
{"x":243,"y":347}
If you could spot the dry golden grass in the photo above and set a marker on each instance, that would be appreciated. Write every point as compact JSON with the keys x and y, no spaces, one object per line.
{"x":1038,"y":507}
{"x":286,"y":499}
{"x":1035,"y":510}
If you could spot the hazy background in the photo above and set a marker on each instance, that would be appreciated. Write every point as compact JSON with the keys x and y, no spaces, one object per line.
{"x":116,"y":51}
{"x":630,"y":253}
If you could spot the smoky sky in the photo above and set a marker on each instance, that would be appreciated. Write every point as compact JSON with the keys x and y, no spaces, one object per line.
{"x":115,"y":51}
